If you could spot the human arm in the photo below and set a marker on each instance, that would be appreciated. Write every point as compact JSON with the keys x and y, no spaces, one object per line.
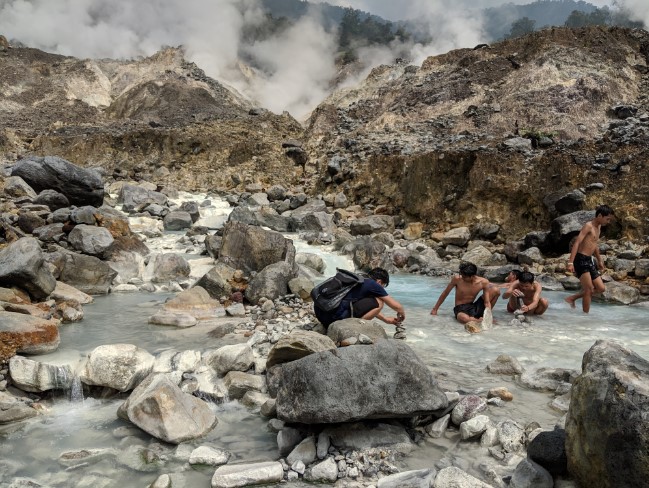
{"x":598,"y":257}
{"x":442,"y":297}
{"x":535,"y":299}
{"x":397,"y":307}
{"x":512,"y":290}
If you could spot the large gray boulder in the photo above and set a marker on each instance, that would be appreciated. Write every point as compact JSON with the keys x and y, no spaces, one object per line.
{"x":22,"y":264}
{"x":81,"y":186}
{"x":133,"y":196}
{"x":372,"y":225}
{"x":260,"y":216}
{"x":90,"y":239}
{"x":118,"y":366}
{"x":607,"y":433}
{"x":251,"y":248}
{"x":384,"y":380}
{"x":87,"y":273}
{"x":271,"y":282}
{"x":564,"y":228}
{"x":167,"y":267}
{"x":160,"y":408}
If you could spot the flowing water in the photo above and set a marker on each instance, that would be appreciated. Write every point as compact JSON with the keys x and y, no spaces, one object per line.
{"x":72,"y":423}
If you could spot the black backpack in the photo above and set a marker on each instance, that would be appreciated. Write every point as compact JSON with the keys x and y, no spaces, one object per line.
{"x":328,"y":294}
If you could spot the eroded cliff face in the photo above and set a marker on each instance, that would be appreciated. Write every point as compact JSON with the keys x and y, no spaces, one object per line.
{"x":471,"y":136}
{"x":159,"y":118}
{"x":441,"y":142}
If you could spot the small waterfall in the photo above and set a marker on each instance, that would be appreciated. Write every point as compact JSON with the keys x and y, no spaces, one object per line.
{"x":76,"y":389}
{"x":68,"y":381}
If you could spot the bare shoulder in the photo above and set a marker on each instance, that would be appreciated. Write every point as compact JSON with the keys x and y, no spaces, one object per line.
{"x":455,"y":279}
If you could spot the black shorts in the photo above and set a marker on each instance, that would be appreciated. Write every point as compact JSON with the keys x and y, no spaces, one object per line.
{"x":585,"y":264}
{"x":475,"y":309}
{"x":363,"y":306}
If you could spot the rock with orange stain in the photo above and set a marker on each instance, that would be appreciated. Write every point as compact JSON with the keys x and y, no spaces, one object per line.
{"x":25,"y":334}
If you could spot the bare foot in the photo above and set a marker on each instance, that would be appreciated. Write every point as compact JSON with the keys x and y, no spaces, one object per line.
{"x":570,"y":301}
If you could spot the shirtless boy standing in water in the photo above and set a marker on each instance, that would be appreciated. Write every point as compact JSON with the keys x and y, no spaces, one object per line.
{"x":467,"y":286}
{"x":581,"y":258}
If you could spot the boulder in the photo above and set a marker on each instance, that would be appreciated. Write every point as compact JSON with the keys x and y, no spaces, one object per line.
{"x":564,"y":228}
{"x":161,"y":409}
{"x":22,"y":264}
{"x":235,"y":357}
{"x":457,"y":237}
{"x":80,"y":186}
{"x":262,"y":216}
{"x":196,"y":302}
{"x":372,"y":225}
{"x":35,"y":376}
{"x":297,"y":345}
{"x":619,"y":293}
{"x":353,"y":327}
{"x":87,"y":273}
{"x":132,"y":196}
{"x":271,"y":282}
{"x":168,"y":267}
{"x":607,"y":433}
{"x":21,"y":333}
{"x":117,"y":366}
{"x":402,"y":386}
{"x":252,"y":249}
{"x":90,"y":239}
{"x":234,"y":475}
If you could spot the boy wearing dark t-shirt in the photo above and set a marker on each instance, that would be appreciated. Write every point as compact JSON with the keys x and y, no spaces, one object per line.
{"x":366,"y":302}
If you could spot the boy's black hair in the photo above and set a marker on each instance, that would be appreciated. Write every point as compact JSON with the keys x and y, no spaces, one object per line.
{"x":468,"y":269}
{"x":380,"y":274}
{"x":526,"y":277}
{"x":517,"y":273}
{"x":604,"y":211}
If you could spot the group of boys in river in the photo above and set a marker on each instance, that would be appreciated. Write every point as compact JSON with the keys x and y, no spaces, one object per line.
{"x":520,"y":289}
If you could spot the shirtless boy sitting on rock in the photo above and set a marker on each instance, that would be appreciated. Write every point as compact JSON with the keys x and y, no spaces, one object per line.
{"x":524,"y":294}
{"x":467,"y":286}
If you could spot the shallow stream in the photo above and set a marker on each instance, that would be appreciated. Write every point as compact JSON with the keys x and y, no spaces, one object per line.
{"x":557,"y":339}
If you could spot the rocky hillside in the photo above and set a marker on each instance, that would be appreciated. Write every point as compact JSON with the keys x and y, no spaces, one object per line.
{"x":490,"y":136}
{"x":487,"y":134}
{"x":158,"y":118}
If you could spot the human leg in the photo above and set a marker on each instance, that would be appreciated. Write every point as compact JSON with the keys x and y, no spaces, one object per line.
{"x":367,"y":308}
{"x":541,"y":307}
{"x":587,"y":291}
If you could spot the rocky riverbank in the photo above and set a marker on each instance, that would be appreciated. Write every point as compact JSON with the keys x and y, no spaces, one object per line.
{"x":347,"y":403}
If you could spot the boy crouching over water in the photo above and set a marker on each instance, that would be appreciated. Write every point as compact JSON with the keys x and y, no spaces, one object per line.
{"x":524,"y":294}
{"x":467,"y":286}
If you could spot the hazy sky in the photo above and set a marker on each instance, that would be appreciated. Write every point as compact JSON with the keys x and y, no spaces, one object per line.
{"x":407,"y":9}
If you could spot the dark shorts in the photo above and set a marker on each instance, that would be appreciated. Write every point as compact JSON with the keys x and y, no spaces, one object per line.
{"x":475,"y":309}
{"x":364,"y":305}
{"x":585,"y":264}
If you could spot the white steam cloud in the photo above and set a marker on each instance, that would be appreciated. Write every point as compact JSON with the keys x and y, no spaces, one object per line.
{"x":298,"y":64}
{"x":295,"y":67}
{"x":637,"y":9}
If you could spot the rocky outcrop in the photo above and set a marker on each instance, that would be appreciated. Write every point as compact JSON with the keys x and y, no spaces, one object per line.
{"x":79,"y":185}
{"x":607,"y":436}
{"x":310,"y":389}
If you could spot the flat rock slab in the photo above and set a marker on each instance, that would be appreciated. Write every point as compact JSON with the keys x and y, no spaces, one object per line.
{"x":25,"y":334}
